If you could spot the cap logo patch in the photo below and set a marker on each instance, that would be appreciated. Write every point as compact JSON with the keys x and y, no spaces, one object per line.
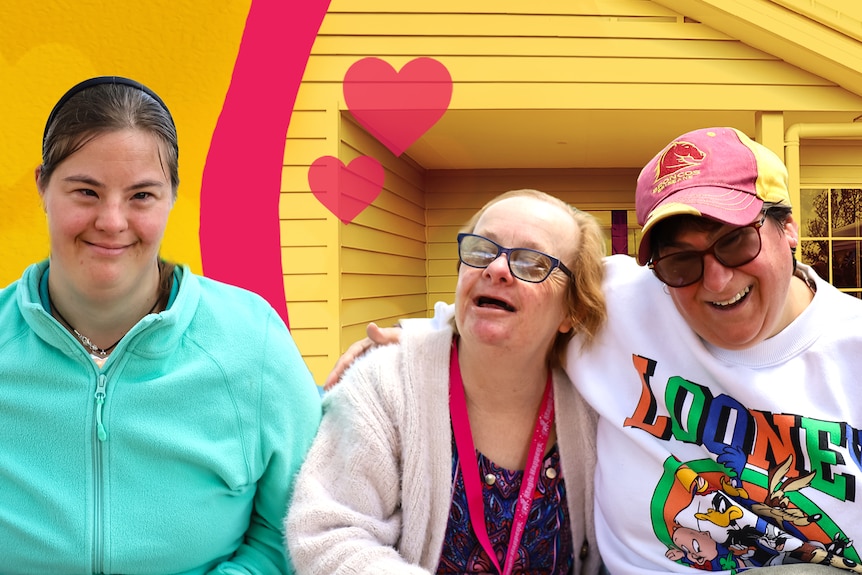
{"x":675,"y":163}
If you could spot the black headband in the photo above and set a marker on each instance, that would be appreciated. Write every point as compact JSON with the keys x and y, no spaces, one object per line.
{"x":99,"y":80}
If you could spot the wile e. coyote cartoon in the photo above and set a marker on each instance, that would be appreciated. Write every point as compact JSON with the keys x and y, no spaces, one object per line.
{"x":718,"y":526}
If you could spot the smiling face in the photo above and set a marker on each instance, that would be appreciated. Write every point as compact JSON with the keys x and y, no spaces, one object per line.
{"x":107,"y":206}
{"x":493,"y":308}
{"x":737,"y":308}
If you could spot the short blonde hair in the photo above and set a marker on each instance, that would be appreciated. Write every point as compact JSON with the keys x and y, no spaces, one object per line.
{"x":585,"y":299}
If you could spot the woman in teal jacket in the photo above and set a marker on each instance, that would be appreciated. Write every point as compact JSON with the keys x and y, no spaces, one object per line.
{"x":151,"y":420}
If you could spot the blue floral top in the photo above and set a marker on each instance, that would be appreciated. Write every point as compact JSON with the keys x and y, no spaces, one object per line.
{"x":546,"y":547}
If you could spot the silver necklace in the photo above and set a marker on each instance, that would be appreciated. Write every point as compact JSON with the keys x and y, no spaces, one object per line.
{"x":101,"y":352}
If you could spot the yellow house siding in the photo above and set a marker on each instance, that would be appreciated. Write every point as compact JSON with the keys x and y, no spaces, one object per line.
{"x":592,"y":53}
{"x":831,"y":163}
{"x":309,"y":233}
{"x":601,"y":8}
{"x":511,"y":61}
{"x":789,"y":28}
{"x":339,"y":277}
{"x":383,"y":250}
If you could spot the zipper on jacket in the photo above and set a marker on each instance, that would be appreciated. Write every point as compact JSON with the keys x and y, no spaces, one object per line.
{"x":99,"y":435}
{"x":100,"y":402}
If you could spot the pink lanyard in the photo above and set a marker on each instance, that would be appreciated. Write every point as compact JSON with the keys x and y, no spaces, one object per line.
{"x":470,"y":466}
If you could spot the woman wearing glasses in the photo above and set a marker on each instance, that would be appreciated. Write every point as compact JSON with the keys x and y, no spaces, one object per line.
{"x":445,"y":454}
{"x":726,"y":380}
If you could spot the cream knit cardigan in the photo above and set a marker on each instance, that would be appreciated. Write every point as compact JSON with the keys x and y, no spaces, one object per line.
{"x":373,"y":496}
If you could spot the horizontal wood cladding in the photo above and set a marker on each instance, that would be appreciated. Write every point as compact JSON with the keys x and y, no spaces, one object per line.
{"x":380,"y":262}
{"x":402,"y":242}
{"x":309,"y":235}
{"x":358,"y":286}
{"x":830,"y":152}
{"x":305,"y":260}
{"x":306,"y":232}
{"x":514,"y":26}
{"x":640,"y":84}
{"x":338,"y":277}
{"x":583,"y":55}
{"x":665,"y":94}
{"x":551,"y":46}
{"x":831,"y":163}
{"x":360,"y":312}
{"x":318,"y":364}
{"x":306,"y":286}
{"x":299,"y":206}
{"x":382,"y":255}
{"x":831,"y":176}
{"x":310,"y":338}
{"x":518,"y":69}
{"x":519,"y":7}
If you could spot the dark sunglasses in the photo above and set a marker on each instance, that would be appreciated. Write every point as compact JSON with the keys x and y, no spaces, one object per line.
{"x":733,"y":249}
{"x":525,"y":264}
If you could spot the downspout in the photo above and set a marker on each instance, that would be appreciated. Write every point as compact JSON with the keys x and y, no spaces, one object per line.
{"x":797,"y":132}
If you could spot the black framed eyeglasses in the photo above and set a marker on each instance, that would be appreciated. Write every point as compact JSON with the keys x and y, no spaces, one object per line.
{"x":733,"y":249}
{"x":525,"y":264}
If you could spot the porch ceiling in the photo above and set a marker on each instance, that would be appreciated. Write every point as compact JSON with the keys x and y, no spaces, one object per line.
{"x":823,"y":37}
{"x":487,"y":139}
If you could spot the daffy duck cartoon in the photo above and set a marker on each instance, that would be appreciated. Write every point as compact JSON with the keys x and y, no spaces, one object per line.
{"x":720,"y":507}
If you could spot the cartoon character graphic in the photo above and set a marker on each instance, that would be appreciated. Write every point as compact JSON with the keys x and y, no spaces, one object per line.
{"x":699,"y":550}
{"x":713,"y":509}
{"x":777,"y":505}
{"x":714,"y":524}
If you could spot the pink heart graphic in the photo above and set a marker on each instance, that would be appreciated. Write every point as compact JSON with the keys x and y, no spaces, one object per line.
{"x":346,"y":191}
{"x":397,"y":107}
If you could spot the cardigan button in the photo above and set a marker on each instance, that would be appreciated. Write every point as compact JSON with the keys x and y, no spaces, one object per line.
{"x":550,"y":473}
{"x":490,"y":479}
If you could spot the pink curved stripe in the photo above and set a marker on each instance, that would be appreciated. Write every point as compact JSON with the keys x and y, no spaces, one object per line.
{"x":239,"y":227}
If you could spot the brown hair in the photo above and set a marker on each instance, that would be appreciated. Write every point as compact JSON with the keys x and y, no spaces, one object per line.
{"x":104,"y":107}
{"x":585,"y":299}
{"x":665,"y":232}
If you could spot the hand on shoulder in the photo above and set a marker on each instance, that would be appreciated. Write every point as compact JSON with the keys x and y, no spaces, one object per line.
{"x":375,"y":336}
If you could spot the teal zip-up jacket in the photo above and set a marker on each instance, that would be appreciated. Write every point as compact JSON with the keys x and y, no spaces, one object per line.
{"x":177,"y":456}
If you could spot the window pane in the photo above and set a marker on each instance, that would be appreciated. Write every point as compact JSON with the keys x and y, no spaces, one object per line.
{"x":845,"y":264}
{"x":816,"y":254}
{"x":846,"y":206}
{"x":815,"y":213}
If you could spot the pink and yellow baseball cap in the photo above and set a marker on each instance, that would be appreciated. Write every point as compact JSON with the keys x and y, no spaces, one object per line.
{"x":717,"y":173}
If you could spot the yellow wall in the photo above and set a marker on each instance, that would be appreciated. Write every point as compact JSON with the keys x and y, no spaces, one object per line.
{"x":383,"y":261}
{"x":49,"y":46}
{"x":339,"y":277}
{"x":614,"y":55}
{"x":832,"y":163}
